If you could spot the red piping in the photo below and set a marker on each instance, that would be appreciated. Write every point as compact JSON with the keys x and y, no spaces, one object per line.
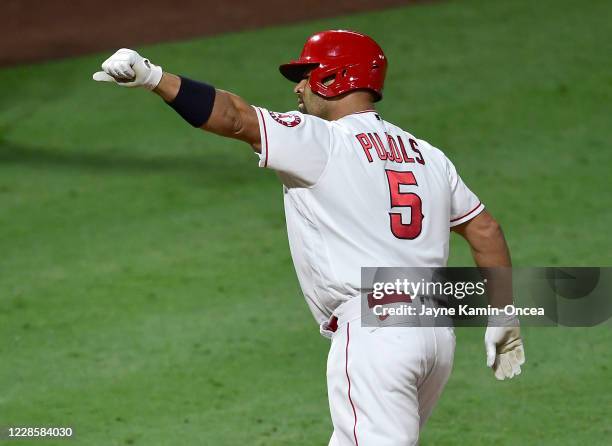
{"x":265,"y":136}
{"x":463,"y":216}
{"x":348,"y":338}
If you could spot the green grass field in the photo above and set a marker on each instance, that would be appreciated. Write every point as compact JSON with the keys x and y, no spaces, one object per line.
{"x":147,"y":294}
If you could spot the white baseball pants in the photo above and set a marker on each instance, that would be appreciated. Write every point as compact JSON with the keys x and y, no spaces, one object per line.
{"x":383,"y":382}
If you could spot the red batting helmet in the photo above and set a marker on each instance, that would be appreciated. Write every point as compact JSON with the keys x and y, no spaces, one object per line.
{"x":353,"y":60}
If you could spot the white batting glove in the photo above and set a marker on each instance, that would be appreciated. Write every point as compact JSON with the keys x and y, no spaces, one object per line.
{"x":504,"y":346}
{"x":129,"y":69}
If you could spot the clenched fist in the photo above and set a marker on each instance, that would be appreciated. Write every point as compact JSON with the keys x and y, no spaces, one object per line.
{"x":504,"y":346}
{"x":129,"y":69}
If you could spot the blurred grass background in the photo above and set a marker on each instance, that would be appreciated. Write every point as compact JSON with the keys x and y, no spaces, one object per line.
{"x":147,"y":294}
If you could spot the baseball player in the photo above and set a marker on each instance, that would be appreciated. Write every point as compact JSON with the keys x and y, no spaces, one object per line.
{"x":358,"y":191}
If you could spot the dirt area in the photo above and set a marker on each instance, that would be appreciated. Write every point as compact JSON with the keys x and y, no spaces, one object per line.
{"x":34,"y":30}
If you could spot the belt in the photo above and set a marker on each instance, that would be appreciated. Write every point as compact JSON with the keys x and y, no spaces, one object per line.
{"x":346,"y":312}
{"x":351,"y":310}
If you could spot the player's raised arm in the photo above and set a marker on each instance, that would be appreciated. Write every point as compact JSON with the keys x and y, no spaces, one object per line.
{"x":200,"y":104}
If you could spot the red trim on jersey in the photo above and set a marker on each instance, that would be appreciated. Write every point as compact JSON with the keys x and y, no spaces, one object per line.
{"x":465,"y":215}
{"x":263,"y":120}
{"x":348,"y":338}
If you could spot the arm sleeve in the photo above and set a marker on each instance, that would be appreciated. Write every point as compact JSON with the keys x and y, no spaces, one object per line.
{"x":295,"y":145}
{"x":465,"y":205}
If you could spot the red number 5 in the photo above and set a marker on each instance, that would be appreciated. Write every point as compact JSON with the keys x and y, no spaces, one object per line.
{"x":411,"y":200}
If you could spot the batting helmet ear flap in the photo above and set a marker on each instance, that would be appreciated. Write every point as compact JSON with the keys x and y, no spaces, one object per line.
{"x":346,"y":77}
{"x":319,"y":80}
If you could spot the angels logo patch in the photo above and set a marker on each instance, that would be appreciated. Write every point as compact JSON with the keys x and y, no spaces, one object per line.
{"x":286,"y":119}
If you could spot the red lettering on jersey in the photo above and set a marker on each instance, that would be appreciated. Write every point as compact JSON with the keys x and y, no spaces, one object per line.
{"x":407,"y":158}
{"x":379,"y":149}
{"x":372,"y":140}
{"x":365,"y":144}
{"x":410,"y":200}
{"x":414,"y":146}
{"x":382,"y":146}
{"x":393,"y":148}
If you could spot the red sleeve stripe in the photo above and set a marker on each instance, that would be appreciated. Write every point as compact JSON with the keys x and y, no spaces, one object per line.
{"x":263,"y":121}
{"x":464,"y":215}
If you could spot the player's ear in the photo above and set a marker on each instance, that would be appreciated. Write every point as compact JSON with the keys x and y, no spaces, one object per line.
{"x":329,"y":80}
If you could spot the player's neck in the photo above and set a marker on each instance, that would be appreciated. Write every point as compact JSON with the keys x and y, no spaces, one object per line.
{"x":355,"y":102}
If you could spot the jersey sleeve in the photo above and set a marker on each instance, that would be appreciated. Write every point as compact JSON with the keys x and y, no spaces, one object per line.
{"x":465,"y":205}
{"x":296,"y":145}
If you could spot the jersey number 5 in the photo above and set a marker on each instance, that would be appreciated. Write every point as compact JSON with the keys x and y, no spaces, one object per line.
{"x":401,"y":199}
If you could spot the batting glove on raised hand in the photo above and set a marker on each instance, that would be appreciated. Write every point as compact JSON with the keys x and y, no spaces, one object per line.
{"x":129,"y":69}
{"x":504,"y":346}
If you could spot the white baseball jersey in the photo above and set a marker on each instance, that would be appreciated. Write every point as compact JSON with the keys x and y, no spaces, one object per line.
{"x":360,"y":192}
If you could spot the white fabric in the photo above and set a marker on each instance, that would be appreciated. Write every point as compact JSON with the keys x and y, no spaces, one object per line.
{"x":338,"y":204}
{"x":396,"y":376}
{"x":355,"y":191}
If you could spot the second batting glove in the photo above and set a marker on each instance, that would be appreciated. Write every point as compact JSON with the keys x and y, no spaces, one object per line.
{"x":504,"y":346}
